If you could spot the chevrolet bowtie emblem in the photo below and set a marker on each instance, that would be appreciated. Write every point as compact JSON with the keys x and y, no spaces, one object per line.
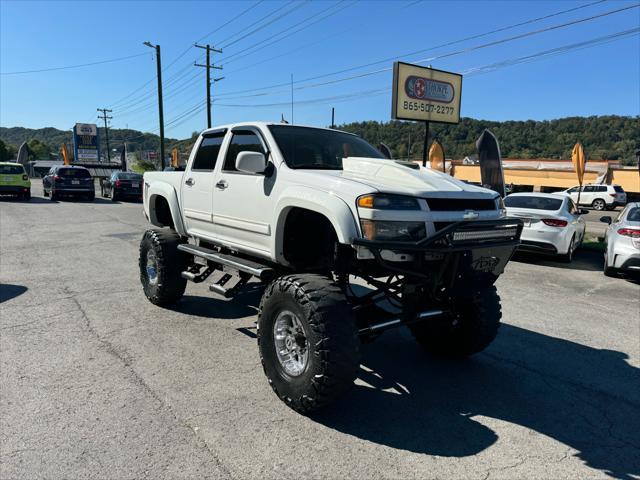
{"x":470,"y":215}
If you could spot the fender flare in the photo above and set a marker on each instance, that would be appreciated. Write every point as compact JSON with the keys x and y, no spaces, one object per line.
{"x":166,"y":191}
{"x":330,"y":206}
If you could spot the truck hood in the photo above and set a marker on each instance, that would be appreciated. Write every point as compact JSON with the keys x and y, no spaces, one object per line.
{"x":406,"y":178}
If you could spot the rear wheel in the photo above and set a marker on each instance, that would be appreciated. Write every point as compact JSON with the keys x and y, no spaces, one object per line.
{"x":469,"y":328}
{"x":308,"y":341}
{"x":45,"y":193}
{"x":53,"y":196}
{"x":114,"y":196}
{"x":598,"y":204}
{"x":609,"y":271}
{"x":567,"y":257}
{"x":161,"y":265}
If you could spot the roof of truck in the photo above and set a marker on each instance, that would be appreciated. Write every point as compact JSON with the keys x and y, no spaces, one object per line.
{"x":264,"y":125}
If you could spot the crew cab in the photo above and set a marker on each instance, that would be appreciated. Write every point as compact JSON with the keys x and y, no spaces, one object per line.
{"x":307,"y":211}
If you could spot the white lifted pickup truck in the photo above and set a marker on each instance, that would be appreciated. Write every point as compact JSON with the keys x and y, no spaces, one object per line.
{"x":312,"y":212}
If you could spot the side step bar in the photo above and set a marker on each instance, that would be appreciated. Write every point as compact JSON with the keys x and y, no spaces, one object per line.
{"x":396,"y":322}
{"x":263,"y":272}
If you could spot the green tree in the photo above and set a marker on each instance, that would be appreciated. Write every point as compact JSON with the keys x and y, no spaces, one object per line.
{"x":39,"y":150}
{"x":4,"y":153}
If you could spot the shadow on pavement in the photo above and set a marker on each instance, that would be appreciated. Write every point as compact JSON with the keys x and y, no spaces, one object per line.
{"x":244,"y":304}
{"x":586,"y":398}
{"x":583,"y":259}
{"x":9,"y":291}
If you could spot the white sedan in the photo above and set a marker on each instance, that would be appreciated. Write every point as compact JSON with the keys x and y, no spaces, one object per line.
{"x":623,"y":241}
{"x":552,"y":223}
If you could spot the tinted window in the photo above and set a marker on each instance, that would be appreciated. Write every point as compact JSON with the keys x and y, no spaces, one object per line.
{"x":129,"y":176}
{"x":574,"y":189}
{"x":601,"y":188}
{"x":208,"y":153}
{"x":618,"y":188}
{"x":304,"y":147}
{"x":242,"y":141}
{"x":11,"y":169}
{"x":633,"y":215}
{"x":74,"y":172}
{"x":535,"y":203}
{"x":589,"y":189}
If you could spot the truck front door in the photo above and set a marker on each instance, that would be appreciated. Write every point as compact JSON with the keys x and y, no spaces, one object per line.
{"x":243,"y":202}
{"x":197,"y":186}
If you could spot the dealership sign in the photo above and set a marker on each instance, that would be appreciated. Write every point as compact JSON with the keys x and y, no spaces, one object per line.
{"x":426,"y":94}
{"x":86,"y":146}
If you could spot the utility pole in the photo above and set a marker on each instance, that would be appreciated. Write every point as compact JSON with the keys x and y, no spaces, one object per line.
{"x":209,"y":66}
{"x":106,"y":129}
{"x":160,"y":109}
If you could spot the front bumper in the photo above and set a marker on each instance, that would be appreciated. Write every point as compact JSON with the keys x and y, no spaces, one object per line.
{"x":464,"y":250}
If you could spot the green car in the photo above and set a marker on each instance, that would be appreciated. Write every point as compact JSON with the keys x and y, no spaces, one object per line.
{"x":14,"y":180}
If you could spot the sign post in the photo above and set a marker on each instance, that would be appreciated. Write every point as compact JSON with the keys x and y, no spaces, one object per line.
{"x":425,"y":94}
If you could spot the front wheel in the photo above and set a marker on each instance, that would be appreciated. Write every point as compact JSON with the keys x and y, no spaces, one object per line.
{"x":161,"y":266}
{"x":469,"y":327}
{"x":308,"y":341}
{"x":598,"y":204}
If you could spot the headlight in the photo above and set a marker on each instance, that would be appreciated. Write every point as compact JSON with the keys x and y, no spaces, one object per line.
{"x":397,"y":231}
{"x":388,"y":202}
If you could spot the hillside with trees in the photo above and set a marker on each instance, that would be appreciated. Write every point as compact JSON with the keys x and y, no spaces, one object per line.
{"x":604,"y":137}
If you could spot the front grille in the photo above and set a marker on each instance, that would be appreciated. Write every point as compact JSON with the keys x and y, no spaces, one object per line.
{"x":440,"y":225}
{"x":460,"y":204}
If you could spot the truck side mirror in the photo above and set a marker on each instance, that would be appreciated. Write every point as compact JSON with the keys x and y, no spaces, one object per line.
{"x":251,"y":162}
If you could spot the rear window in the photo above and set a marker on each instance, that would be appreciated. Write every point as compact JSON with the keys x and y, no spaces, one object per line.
{"x":534,"y":203}
{"x":618,"y":188}
{"x":74,"y":172}
{"x":130,"y":176}
{"x":11,"y":169}
{"x":633,"y":215}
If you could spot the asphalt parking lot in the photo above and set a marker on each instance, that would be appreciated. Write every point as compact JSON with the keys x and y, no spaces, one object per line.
{"x":97,"y":382}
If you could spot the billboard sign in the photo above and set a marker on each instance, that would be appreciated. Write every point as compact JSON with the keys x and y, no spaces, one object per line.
{"x":86,"y":145}
{"x":426,"y":94}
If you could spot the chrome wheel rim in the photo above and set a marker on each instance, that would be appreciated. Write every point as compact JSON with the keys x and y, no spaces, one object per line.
{"x":152,"y":267}
{"x":292,"y":348}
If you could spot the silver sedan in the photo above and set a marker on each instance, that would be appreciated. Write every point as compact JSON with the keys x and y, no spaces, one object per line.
{"x":552,"y":223}
{"x":622,"y":253}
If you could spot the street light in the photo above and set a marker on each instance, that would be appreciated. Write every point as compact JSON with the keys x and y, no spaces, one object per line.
{"x":160,"y":110}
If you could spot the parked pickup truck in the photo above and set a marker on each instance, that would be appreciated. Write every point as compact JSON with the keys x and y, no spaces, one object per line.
{"x":347,"y":243}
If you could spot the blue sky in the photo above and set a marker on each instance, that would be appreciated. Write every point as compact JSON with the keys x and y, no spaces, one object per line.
{"x":333,"y":36}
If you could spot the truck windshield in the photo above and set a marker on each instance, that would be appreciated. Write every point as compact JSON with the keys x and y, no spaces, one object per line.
{"x":315,"y":148}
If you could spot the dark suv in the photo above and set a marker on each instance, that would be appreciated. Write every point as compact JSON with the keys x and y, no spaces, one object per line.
{"x":123,"y":185}
{"x":65,"y":180}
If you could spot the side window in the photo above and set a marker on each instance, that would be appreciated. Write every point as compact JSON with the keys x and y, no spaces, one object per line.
{"x":208,"y":153}
{"x":589,"y":189}
{"x":602,"y":188}
{"x":574,"y":190}
{"x":242,"y":141}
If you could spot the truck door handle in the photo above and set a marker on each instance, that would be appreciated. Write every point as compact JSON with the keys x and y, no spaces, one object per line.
{"x":190,"y":182}
{"x":222,"y":184}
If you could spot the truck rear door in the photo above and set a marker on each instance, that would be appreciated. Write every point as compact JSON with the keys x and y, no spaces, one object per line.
{"x":197,"y":185}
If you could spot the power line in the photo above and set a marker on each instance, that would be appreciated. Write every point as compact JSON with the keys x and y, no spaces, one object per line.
{"x":467,"y":73}
{"x":287,"y":31}
{"x":189,"y":48}
{"x":426,"y":60}
{"x":119,"y":59}
{"x":265,"y":25}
